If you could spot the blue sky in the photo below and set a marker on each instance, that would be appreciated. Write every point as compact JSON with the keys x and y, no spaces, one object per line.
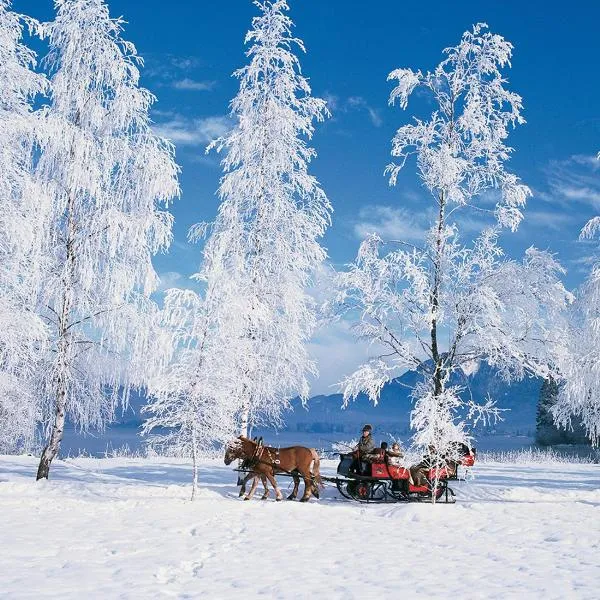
{"x":191,"y":48}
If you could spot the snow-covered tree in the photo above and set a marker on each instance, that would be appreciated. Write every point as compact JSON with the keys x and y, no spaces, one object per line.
{"x":546,"y":431}
{"x":105,"y":175}
{"x":448,"y":304}
{"x":263,"y":246}
{"x":22,"y":332}
{"x":192,"y":399}
{"x":579,"y":396}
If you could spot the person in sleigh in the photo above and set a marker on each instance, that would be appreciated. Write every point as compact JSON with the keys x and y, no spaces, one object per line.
{"x":362,"y":450}
{"x":395,"y":455}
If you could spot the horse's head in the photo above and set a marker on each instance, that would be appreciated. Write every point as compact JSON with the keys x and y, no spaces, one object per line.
{"x":234,"y":450}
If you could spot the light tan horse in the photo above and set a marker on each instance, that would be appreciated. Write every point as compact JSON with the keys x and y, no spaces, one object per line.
{"x":265,"y":461}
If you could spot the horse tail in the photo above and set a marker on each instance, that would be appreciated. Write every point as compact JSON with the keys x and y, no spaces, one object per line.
{"x":315,"y":468}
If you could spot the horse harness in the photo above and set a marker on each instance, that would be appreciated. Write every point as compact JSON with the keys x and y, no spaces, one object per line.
{"x":258,"y":457}
{"x":272,"y":455}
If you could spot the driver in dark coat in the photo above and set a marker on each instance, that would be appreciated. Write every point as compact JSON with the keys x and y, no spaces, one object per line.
{"x":365,"y":446}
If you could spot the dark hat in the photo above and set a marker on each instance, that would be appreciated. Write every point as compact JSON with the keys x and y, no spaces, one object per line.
{"x":367,"y":428}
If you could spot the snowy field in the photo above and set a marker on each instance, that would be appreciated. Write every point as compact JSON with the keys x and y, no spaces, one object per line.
{"x":125,"y":528}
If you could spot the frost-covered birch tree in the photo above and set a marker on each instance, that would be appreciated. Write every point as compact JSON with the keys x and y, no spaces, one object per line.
{"x":192,"y":398}
{"x":105,"y":176}
{"x":22,"y":332}
{"x":264,"y":244}
{"x":449,"y":303}
{"x":579,"y":395}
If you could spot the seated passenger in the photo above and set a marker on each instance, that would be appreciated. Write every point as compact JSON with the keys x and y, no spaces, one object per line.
{"x":419,"y":472}
{"x":458,"y":452}
{"x":463,"y":449}
{"x":395,"y":455}
{"x":377,"y":455}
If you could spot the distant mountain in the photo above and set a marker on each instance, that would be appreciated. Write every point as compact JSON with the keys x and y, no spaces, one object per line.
{"x":324,"y":413}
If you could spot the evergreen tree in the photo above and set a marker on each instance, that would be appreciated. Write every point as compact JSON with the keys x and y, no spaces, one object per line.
{"x":545,"y":431}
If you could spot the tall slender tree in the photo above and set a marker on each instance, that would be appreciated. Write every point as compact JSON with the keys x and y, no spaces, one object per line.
{"x":22,"y":332}
{"x":104,"y":173}
{"x":264,"y":244}
{"x":192,"y":399}
{"x":448,"y":304}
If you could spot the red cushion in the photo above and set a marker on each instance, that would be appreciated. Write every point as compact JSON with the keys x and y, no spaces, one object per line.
{"x":418,"y":488}
{"x":441,"y":473}
{"x":379,"y":470}
{"x":398,"y":472}
{"x":468,"y":461}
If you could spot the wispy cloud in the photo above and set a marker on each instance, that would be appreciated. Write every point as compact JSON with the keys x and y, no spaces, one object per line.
{"x":186,"y":131}
{"x":391,"y":223}
{"x":548,"y":219}
{"x":168,"y":70}
{"x":335,"y":350}
{"x":592,"y":162}
{"x":174,"y":279}
{"x":169,"y":280}
{"x":339,"y":105}
{"x":573,"y":180}
{"x":167,"y":65}
{"x":333,"y":101}
{"x":192,"y":85}
{"x":359,"y":103}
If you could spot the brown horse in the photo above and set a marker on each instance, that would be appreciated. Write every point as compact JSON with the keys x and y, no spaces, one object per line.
{"x":242,"y":481}
{"x":265,"y":462}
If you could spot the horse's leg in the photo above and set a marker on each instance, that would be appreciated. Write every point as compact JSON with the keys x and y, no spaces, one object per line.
{"x":316,"y":473}
{"x":253,"y":488}
{"x":244,"y":482}
{"x":264,"y":483}
{"x":294,"y":493}
{"x":308,"y":484}
{"x":314,"y":487}
{"x":271,"y":478}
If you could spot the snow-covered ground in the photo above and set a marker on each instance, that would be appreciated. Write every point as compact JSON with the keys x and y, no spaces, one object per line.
{"x":125,"y":528}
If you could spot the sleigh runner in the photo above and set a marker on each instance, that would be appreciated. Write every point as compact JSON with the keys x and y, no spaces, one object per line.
{"x":390,"y":483}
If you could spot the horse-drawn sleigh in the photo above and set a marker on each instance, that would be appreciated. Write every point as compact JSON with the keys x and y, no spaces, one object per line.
{"x":378,"y":482}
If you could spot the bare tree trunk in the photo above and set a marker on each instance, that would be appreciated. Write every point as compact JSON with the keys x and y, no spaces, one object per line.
{"x":194,"y":464}
{"x":438,"y":361}
{"x":63,"y":349}
{"x":53,"y":447}
{"x":435,"y":298}
{"x":245,"y":416}
{"x":51,"y":450}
